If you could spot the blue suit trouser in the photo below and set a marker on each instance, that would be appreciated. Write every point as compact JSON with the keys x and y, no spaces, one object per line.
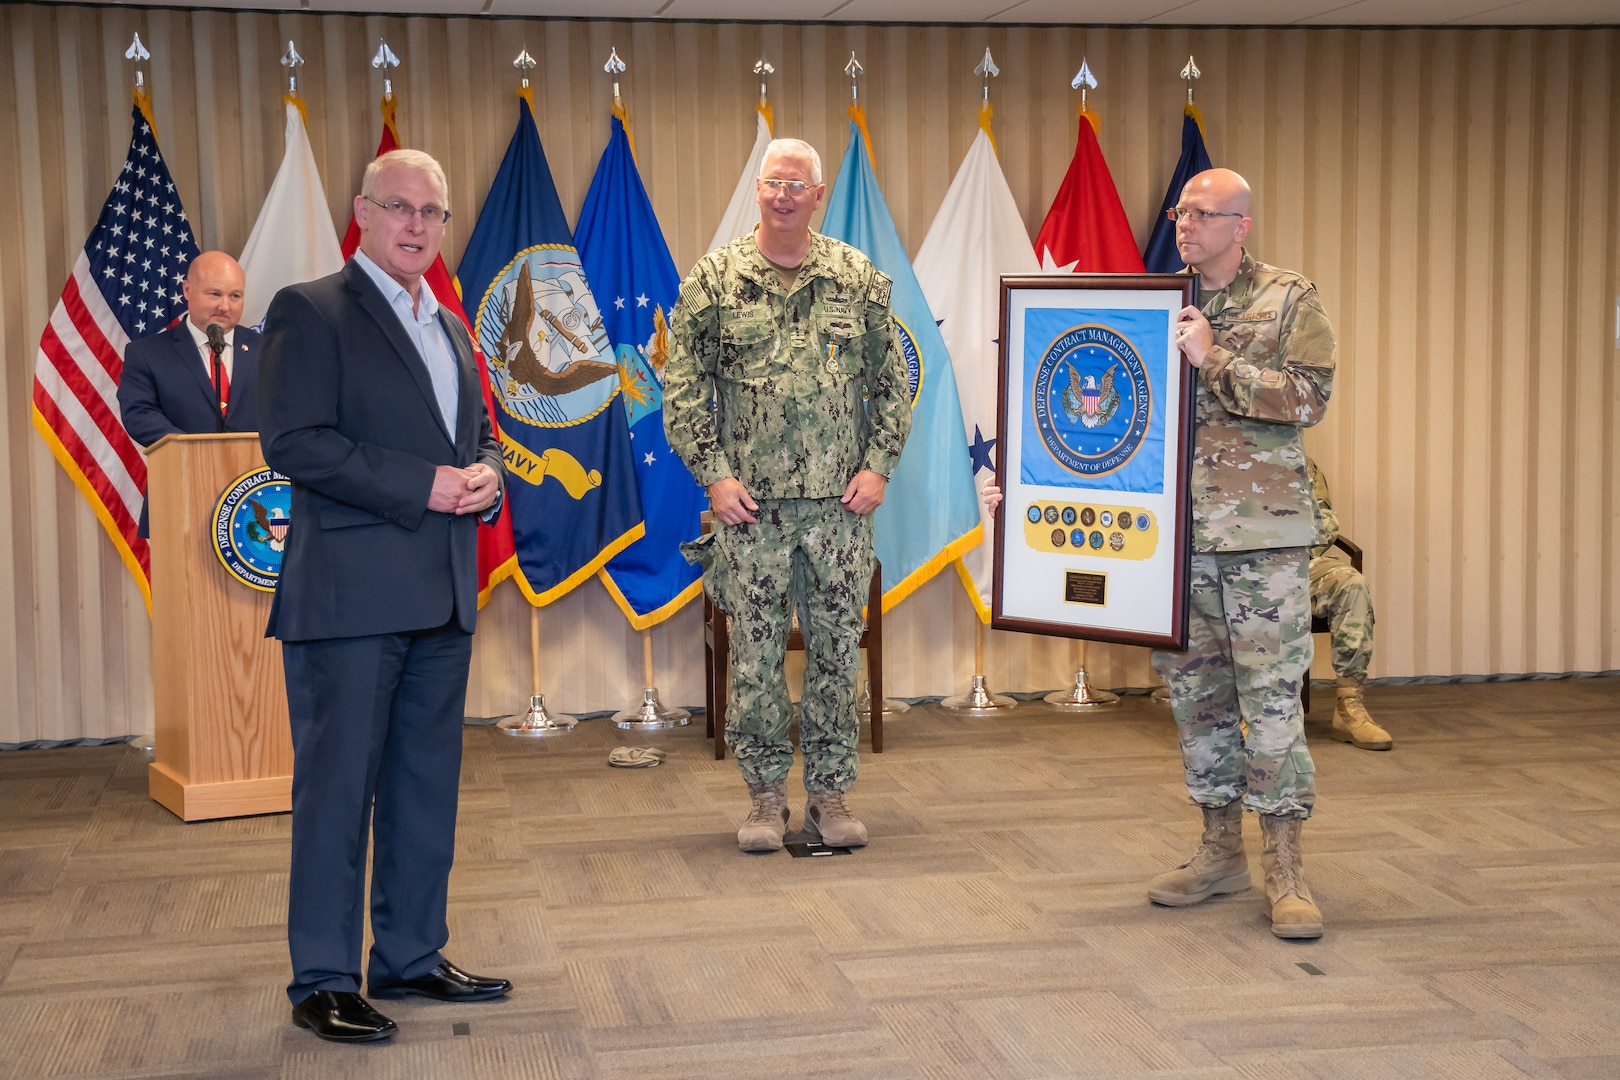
{"x":376,"y":732}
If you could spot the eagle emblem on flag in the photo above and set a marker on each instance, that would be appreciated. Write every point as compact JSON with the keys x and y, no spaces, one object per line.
{"x":1087,"y":401}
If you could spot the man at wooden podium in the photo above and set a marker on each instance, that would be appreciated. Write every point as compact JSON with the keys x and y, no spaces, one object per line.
{"x":167,"y":386}
{"x":370,"y":403}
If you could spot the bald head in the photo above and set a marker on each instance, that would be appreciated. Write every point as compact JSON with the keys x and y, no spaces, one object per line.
{"x":1225,"y":187}
{"x":213,"y":289}
{"x":1213,"y":223}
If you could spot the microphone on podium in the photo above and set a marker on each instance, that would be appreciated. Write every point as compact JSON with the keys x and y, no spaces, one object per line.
{"x":216,"y":345}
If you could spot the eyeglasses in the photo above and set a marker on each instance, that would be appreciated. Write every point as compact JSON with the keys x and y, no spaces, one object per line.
{"x":794,"y":188}
{"x":404,"y":211}
{"x":1199,"y":216}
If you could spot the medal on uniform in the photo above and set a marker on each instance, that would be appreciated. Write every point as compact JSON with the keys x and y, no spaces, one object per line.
{"x":832,"y":357}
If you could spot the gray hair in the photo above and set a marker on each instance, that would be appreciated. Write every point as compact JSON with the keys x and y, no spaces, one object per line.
{"x":794,"y":148}
{"x":408,"y":159}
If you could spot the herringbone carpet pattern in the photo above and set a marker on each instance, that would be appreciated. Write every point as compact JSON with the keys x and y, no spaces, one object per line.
{"x":995,"y":929}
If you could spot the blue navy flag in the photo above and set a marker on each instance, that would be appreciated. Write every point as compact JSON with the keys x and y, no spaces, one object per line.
{"x":930,"y":512}
{"x":627,"y":262}
{"x":1160,"y":256}
{"x":571,"y":484}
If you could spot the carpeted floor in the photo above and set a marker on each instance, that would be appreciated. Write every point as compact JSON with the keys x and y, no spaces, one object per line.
{"x":995,"y":928}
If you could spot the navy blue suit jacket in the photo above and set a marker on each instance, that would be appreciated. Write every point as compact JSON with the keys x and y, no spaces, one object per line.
{"x":348,"y":413}
{"x":166,"y":389}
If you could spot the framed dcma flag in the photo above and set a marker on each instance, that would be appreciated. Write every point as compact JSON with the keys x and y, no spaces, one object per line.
{"x":1094,"y":456}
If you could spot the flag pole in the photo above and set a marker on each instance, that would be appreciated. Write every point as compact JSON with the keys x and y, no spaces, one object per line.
{"x":1081,"y":695}
{"x":762,"y":68}
{"x":1084,"y":80}
{"x":146,"y":741}
{"x":1161,"y":695}
{"x":650,"y":714}
{"x":980,"y":700}
{"x":539,"y":721}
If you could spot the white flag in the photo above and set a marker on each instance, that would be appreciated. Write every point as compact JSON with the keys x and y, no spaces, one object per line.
{"x":742,"y":212}
{"x":976,"y":237}
{"x":293,"y":240}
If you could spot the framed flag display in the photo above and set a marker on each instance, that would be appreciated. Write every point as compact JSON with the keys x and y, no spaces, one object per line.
{"x":1094,"y":454}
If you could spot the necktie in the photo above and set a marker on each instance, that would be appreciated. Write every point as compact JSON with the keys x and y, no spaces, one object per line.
{"x":224,"y":385}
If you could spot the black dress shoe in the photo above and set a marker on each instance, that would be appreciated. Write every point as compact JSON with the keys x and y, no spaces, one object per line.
{"x":342,"y":1017}
{"x":445,"y":983}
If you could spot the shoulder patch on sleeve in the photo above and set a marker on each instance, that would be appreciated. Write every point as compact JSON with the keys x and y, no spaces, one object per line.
{"x":882,"y":286}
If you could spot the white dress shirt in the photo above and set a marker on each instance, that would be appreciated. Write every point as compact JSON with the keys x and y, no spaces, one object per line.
{"x":227,"y":359}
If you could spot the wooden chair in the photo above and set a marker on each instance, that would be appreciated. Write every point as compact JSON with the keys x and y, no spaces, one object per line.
{"x":717,"y":662}
{"x":1323,"y":626}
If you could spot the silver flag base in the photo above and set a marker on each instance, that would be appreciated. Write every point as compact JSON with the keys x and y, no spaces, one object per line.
{"x":651,"y":715}
{"x":1081,"y":695}
{"x":979,"y":700}
{"x":1161,"y":696}
{"x":891,"y":706}
{"x":538,"y":722}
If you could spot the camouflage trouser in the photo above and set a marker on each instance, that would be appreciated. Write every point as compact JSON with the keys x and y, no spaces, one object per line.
{"x":1249,"y":650}
{"x":816,"y":556}
{"x":1339,"y":594}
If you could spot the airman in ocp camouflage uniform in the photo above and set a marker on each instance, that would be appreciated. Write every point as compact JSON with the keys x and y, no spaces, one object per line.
{"x":1339,"y":594}
{"x":1264,"y":351}
{"x":788,"y":334}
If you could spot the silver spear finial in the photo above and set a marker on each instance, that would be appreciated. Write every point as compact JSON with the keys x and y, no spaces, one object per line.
{"x":614,"y":67}
{"x":137,"y":52}
{"x":853,"y":69}
{"x":525,"y":64}
{"x":1190,"y":72}
{"x":987,"y":68}
{"x":762,"y":68}
{"x":384,"y":60}
{"x":1084,"y":80}
{"x":292,"y":62}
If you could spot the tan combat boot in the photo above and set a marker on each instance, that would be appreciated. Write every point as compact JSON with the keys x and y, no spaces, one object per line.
{"x":1218,"y":866}
{"x":767,"y":820}
{"x":829,"y":820}
{"x":1351,"y":723}
{"x":1293,"y":913}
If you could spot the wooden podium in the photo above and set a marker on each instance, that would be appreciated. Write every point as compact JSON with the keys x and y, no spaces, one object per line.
{"x":222,"y":745}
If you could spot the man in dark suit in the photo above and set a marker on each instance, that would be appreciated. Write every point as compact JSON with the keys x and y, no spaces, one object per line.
{"x":167,"y":387}
{"x":371,"y":405}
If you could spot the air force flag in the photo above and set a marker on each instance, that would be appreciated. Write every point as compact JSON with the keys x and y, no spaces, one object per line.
{"x":630,"y":268}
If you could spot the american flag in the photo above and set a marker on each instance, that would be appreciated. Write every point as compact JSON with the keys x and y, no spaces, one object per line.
{"x":125,"y":285}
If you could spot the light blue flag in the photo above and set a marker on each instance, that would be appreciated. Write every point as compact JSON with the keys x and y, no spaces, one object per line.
{"x":930,"y":513}
{"x":630,"y":269}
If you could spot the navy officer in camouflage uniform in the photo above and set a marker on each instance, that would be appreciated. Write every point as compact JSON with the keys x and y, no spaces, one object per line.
{"x":786,"y":395}
{"x":1264,"y":353}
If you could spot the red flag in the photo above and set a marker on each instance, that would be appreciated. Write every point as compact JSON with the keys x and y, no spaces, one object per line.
{"x":497,"y":553}
{"x":1086,"y":230}
{"x":125,"y":284}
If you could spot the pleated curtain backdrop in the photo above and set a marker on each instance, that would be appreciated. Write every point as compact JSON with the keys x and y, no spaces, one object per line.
{"x":1452,"y":192}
